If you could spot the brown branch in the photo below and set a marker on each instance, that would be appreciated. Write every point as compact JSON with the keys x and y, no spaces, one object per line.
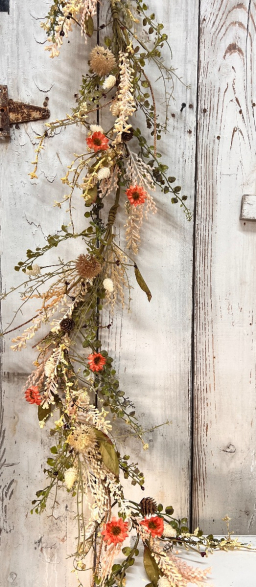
{"x":20,"y":325}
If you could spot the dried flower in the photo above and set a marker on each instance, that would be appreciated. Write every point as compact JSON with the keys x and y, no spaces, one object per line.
{"x":108,"y":285}
{"x":96,"y":128}
{"x":154,"y":525}
{"x":169,"y":531}
{"x":136,"y":195}
{"x":103,"y":173}
{"x":87,"y":266}
{"x":109,"y":82}
{"x":125,"y":98}
{"x":102,"y":60}
{"x":115,"y":107}
{"x":96,"y":361}
{"x":82,"y":440}
{"x":70,"y":477}
{"x":163,"y":582}
{"x":35,"y":271}
{"x":98,"y":142}
{"x":32,"y":395}
{"x":115,"y":531}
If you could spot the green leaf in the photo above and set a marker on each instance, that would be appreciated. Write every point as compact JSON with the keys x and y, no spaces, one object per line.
{"x":54,"y":450}
{"x":107,"y":41}
{"x":126,"y":551}
{"x":169,"y":510}
{"x":160,"y":507}
{"x":44,"y":413}
{"x":51,"y":462}
{"x":151,"y":567}
{"x":108,"y":452}
{"x":89,"y":26}
{"x":116,"y":568}
{"x":142,"y":283}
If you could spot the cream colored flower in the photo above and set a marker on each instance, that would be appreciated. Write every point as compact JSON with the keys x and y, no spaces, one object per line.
{"x":70,"y":477}
{"x":59,"y":423}
{"x":115,"y":108}
{"x":96,"y":128}
{"x":82,"y":440}
{"x":35,"y":271}
{"x":145,"y":446}
{"x":103,"y":173}
{"x":108,"y":285}
{"x":102,"y":60}
{"x":169,"y":531}
{"x":163,"y":582}
{"x":109,"y":82}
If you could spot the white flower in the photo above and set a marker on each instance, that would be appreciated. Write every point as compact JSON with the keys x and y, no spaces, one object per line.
{"x":145,"y":446}
{"x":103,"y":173}
{"x":108,"y":285}
{"x":96,"y":128}
{"x":34,"y":272}
{"x":169,"y":531}
{"x":109,"y":82}
{"x":163,"y":582}
{"x":70,"y":477}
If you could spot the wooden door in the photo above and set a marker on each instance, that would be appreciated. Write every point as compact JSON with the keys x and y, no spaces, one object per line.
{"x":189,"y":355}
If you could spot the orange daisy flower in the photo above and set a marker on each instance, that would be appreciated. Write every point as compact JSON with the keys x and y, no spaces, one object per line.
{"x":96,"y":361}
{"x":136,"y":194}
{"x":115,"y":531}
{"x":32,"y":395}
{"x":98,"y":142}
{"x":154,"y":525}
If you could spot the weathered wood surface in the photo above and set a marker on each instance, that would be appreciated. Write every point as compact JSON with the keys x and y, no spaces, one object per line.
{"x":224,"y":352}
{"x":152,"y":346}
{"x":211,"y":140}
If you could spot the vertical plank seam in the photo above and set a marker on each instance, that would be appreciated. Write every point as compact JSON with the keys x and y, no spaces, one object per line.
{"x":194,"y":268}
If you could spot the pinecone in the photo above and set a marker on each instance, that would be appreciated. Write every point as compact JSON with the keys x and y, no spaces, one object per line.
{"x":67,"y":324}
{"x":148,"y":506}
{"x":127,"y":135}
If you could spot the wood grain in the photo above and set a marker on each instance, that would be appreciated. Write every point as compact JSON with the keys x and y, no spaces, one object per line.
{"x":152,"y":346}
{"x":225,"y":248}
{"x":34,"y":549}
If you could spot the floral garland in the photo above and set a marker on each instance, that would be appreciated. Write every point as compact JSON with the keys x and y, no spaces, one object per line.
{"x":73,"y":374}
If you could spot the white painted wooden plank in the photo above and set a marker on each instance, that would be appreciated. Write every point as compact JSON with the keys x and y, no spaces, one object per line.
{"x":152,"y":345}
{"x":157,"y":363}
{"x":224,"y":407}
{"x":34,"y":549}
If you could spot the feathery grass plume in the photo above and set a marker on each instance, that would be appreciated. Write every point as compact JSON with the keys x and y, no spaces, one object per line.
{"x":125,"y":99}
